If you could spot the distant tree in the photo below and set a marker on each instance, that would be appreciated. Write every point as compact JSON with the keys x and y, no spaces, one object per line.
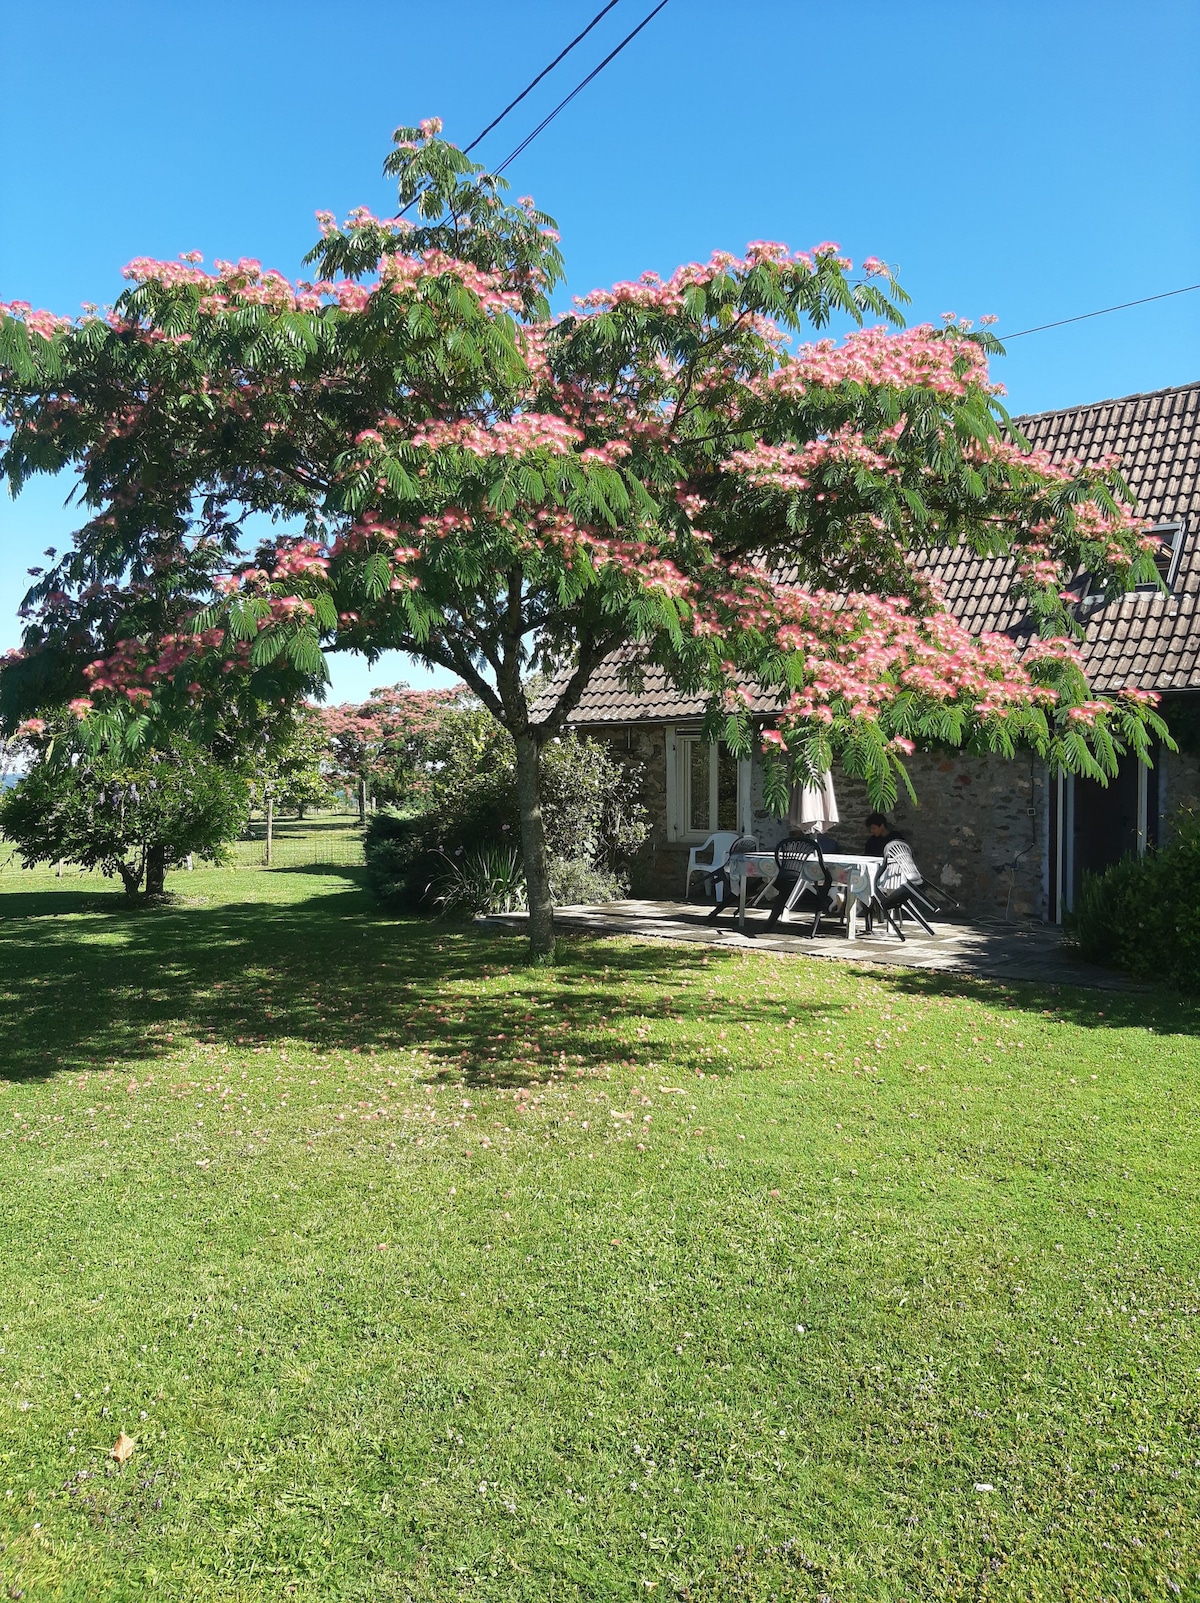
{"x":132,"y":819}
{"x":354,"y":736}
{"x":383,"y":746}
{"x":296,"y":770}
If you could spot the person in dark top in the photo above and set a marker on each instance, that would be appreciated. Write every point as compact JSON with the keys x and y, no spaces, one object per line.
{"x":879,"y":832}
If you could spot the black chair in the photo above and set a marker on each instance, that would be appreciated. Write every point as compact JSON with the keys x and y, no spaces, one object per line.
{"x":934,"y":899}
{"x":722,"y":889}
{"x":796,"y":858}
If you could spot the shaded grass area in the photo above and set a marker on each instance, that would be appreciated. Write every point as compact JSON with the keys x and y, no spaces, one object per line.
{"x":670,"y":1272}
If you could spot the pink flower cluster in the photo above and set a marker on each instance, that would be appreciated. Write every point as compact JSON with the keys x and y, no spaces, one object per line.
{"x":862,"y":651}
{"x":404,"y":274}
{"x":44,"y":324}
{"x":787,"y":467}
{"x":914,"y":358}
{"x":245,"y":283}
{"x":132,"y":666}
{"x":299,"y":557}
{"x":530,"y":431}
{"x":651,"y":291}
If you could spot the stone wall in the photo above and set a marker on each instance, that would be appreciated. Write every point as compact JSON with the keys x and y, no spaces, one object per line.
{"x":659,"y":869}
{"x":978,"y":829}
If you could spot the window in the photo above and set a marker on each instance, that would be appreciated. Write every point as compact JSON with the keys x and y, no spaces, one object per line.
{"x":707,"y":787}
{"x":1166,"y":558}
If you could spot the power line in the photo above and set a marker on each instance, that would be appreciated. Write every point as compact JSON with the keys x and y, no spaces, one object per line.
{"x":1103,"y":312}
{"x":595,"y":73}
{"x":496,"y":121}
{"x":531,"y":85}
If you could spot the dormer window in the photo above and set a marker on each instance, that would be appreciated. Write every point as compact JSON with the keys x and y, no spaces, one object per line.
{"x":1166,"y":558}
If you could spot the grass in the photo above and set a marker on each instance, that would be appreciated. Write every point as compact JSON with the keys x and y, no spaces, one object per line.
{"x":672,"y":1273}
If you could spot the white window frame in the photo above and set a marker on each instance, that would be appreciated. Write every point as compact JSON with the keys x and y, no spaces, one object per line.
{"x":679,"y":781}
{"x":1170,"y":532}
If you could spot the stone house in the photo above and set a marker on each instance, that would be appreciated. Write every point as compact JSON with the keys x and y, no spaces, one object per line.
{"x":1006,"y":837}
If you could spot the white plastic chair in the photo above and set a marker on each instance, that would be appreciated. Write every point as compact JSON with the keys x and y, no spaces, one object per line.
{"x":719,"y":844}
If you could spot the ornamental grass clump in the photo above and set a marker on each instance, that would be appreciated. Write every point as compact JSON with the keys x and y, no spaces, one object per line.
{"x":488,"y":880}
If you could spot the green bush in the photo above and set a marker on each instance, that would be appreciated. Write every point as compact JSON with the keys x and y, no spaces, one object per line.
{"x":593,"y":816}
{"x":574,"y":881}
{"x":133,"y":817}
{"x":401,"y":859}
{"x":1143,"y":913}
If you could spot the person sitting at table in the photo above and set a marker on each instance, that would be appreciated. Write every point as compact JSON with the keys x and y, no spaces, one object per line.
{"x":879,"y":833}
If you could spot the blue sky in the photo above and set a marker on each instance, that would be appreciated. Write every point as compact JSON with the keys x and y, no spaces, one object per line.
{"x":1035,"y":160}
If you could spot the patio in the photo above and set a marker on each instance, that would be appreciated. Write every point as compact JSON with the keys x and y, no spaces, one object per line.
{"x":987,"y":949}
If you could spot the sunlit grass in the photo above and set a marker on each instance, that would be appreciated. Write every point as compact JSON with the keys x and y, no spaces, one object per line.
{"x":415,"y":1273}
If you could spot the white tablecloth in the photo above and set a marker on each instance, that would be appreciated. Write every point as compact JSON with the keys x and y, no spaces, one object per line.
{"x":751,"y":872}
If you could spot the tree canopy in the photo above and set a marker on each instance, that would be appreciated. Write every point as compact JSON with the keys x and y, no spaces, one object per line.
{"x":663,"y":470}
{"x":129,"y":816}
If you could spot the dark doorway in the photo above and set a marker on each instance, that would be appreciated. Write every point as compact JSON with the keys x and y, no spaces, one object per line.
{"x":1105,"y":819}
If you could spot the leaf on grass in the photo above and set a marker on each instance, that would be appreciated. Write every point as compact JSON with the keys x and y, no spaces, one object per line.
{"x":122,"y":1448}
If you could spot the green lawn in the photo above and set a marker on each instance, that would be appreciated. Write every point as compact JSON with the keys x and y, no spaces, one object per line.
{"x":419,"y":1275}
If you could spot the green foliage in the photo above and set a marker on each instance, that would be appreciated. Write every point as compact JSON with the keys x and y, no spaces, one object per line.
{"x":401,"y":856}
{"x":134,"y":820}
{"x":293,"y":772}
{"x":466,"y":793}
{"x":574,"y":881}
{"x":591,"y":807}
{"x":1143,"y":913}
{"x":489,"y":879}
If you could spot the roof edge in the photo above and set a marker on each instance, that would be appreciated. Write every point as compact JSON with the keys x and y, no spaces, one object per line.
{"x":1113,"y":400}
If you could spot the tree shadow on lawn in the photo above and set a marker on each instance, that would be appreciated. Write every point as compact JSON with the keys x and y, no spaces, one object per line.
{"x":1165,"y":1011}
{"x":119,"y":987}
{"x":122,"y":988}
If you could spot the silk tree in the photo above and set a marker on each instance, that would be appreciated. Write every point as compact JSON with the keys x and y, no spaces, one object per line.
{"x":666,"y":470}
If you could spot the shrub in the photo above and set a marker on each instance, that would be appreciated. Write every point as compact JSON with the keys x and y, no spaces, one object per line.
{"x":401,"y":859}
{"x":134,"y":818}
{"x":573,"y":881}
{"x":1143,"y":913}
{"x":594,"y":820}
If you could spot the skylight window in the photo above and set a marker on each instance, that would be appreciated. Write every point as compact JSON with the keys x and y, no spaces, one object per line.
{"x":1166,"y":558}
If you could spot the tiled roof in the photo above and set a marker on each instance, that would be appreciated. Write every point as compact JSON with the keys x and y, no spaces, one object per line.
{"x":1149,"y":640}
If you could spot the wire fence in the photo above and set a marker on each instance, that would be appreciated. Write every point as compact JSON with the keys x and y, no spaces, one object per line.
{"x":320,"y":840}
{"x":334,"y":839}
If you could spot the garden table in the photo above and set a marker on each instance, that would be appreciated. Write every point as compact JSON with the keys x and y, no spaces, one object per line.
{"x":855,"y":872}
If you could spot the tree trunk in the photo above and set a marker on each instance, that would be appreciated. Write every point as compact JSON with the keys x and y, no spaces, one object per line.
{"x":270,"y":828}
{"x":362,"y":801}
{"x":533,"y":850}
{"x":131,"y":878}
{"x":301,"y":809}
{"x":156,"y":870}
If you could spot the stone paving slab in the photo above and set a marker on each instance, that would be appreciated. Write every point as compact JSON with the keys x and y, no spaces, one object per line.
{"x":988,"y":950}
